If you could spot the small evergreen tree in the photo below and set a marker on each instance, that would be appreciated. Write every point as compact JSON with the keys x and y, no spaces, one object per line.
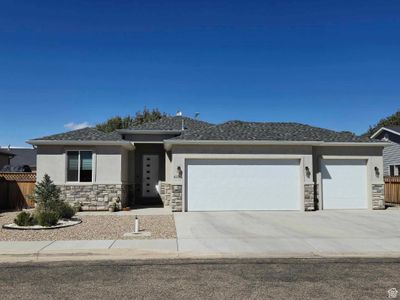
{"x":47,"y":195}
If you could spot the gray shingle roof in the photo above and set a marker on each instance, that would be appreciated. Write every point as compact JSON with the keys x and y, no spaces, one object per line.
{"x":172,"y":123}
{"x":394,"y":128}
{"x":6,"y":152}
{"x":269,"y":131}
{"x":24,"y":156}
{"x":85,"y":134}
{"x":229,"y":131}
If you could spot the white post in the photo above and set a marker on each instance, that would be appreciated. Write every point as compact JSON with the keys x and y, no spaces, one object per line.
{"x":136,"y":225}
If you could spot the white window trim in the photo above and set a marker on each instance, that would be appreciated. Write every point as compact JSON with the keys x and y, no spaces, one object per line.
{"x":79,"y":167}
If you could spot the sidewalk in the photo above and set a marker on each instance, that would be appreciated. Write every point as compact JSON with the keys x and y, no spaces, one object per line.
{"x":87,"y":249}
{"x":169,"y":249}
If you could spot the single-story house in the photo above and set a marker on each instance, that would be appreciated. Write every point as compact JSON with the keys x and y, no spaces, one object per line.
{"x":5,"y":157}
{"x":191,"y":165}
{"x":391,"y":153}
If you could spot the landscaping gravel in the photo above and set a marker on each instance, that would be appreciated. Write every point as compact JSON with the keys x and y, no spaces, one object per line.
{"x":94,"y":228}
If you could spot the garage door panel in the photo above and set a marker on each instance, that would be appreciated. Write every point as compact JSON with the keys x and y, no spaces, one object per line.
{"x":344,"y":184}
{"x":243,"y":185}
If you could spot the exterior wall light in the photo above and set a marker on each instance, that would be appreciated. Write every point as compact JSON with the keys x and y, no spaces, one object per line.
{"x":179,"y":172}
{"x":376,"y":171}
{"x":308,"y":173}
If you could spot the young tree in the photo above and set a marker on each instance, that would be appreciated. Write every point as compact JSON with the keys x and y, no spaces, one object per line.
{"x":392,"y":120}
{"x":140,"y":117}
{"x":47,"y":194}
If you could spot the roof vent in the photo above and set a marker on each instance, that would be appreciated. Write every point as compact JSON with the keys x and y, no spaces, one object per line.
{"x":179,"y":114}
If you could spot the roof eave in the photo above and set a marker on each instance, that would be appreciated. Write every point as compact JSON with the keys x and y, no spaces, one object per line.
{"x":125,"y":144}
{"x":170,"y":143}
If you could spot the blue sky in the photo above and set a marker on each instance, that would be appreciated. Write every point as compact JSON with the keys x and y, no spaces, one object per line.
{"x":333,"y":64}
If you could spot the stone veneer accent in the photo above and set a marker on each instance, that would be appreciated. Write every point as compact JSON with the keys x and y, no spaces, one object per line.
{"x":176,"y":197}
{"x":95,"y":196}
{"x":165,"y":193}
{"x":309,"y":200}
{"x":171,"y":195}
{"x":378,"y":196}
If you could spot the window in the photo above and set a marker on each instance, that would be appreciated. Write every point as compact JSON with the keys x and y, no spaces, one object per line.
{"x":398,"y":170}
{"x":79,"y":166}
{"x":391,"y":170}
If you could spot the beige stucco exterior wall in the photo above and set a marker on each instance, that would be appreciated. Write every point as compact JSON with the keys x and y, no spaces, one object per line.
{"x":110,"y":163}
{"x":124,"y":165}
{"x":169,"y":173}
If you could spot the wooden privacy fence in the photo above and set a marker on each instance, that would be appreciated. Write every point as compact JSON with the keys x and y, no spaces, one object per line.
{"x":392,"y":189}
{"x":15,"y":188}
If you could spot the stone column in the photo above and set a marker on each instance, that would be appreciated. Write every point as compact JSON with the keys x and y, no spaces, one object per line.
{"x":309,"y":201}
{"x":176,"y":198}
{"x":165,"y":193}
{"x":378,"y":196}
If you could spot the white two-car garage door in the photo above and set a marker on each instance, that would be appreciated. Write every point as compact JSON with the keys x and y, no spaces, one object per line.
{"x":241,"y":184}
{"x":344,"y":183}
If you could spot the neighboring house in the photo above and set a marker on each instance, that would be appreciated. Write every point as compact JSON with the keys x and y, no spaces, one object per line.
{"x":5,"y":156}
{"x":192,"y":165}
{"x":24,"y":157}
{"x":391,"y":153}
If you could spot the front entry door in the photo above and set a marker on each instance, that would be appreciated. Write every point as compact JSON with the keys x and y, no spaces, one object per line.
{"x":150,"y":175}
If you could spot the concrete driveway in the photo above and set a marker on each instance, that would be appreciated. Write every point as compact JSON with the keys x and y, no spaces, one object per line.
{"x":290,"y":233}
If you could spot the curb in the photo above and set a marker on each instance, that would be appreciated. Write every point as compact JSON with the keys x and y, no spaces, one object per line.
{"x":133,"y":254}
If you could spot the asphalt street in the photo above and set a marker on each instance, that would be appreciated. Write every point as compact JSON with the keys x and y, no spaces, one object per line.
{"x":202,"y":279}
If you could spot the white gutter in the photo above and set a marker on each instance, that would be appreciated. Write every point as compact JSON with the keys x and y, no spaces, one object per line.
{"x":126,"y":144}
{"x":382,"y":129}
{"x":169,"y":143}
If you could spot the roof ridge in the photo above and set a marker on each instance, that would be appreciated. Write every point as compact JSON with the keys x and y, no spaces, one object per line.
{"x":169,"y":123}
{"x":271,"y":131}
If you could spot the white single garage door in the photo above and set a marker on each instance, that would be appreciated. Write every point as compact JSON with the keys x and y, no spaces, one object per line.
{"x":344,"y":183}
{"x":233,"y":184}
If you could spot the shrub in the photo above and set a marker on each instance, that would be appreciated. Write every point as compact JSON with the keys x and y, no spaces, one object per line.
{"x":66,"y":211}
{"x":24,"y":219}
{"x":77,"y":206}
{"x":46,"y":217}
